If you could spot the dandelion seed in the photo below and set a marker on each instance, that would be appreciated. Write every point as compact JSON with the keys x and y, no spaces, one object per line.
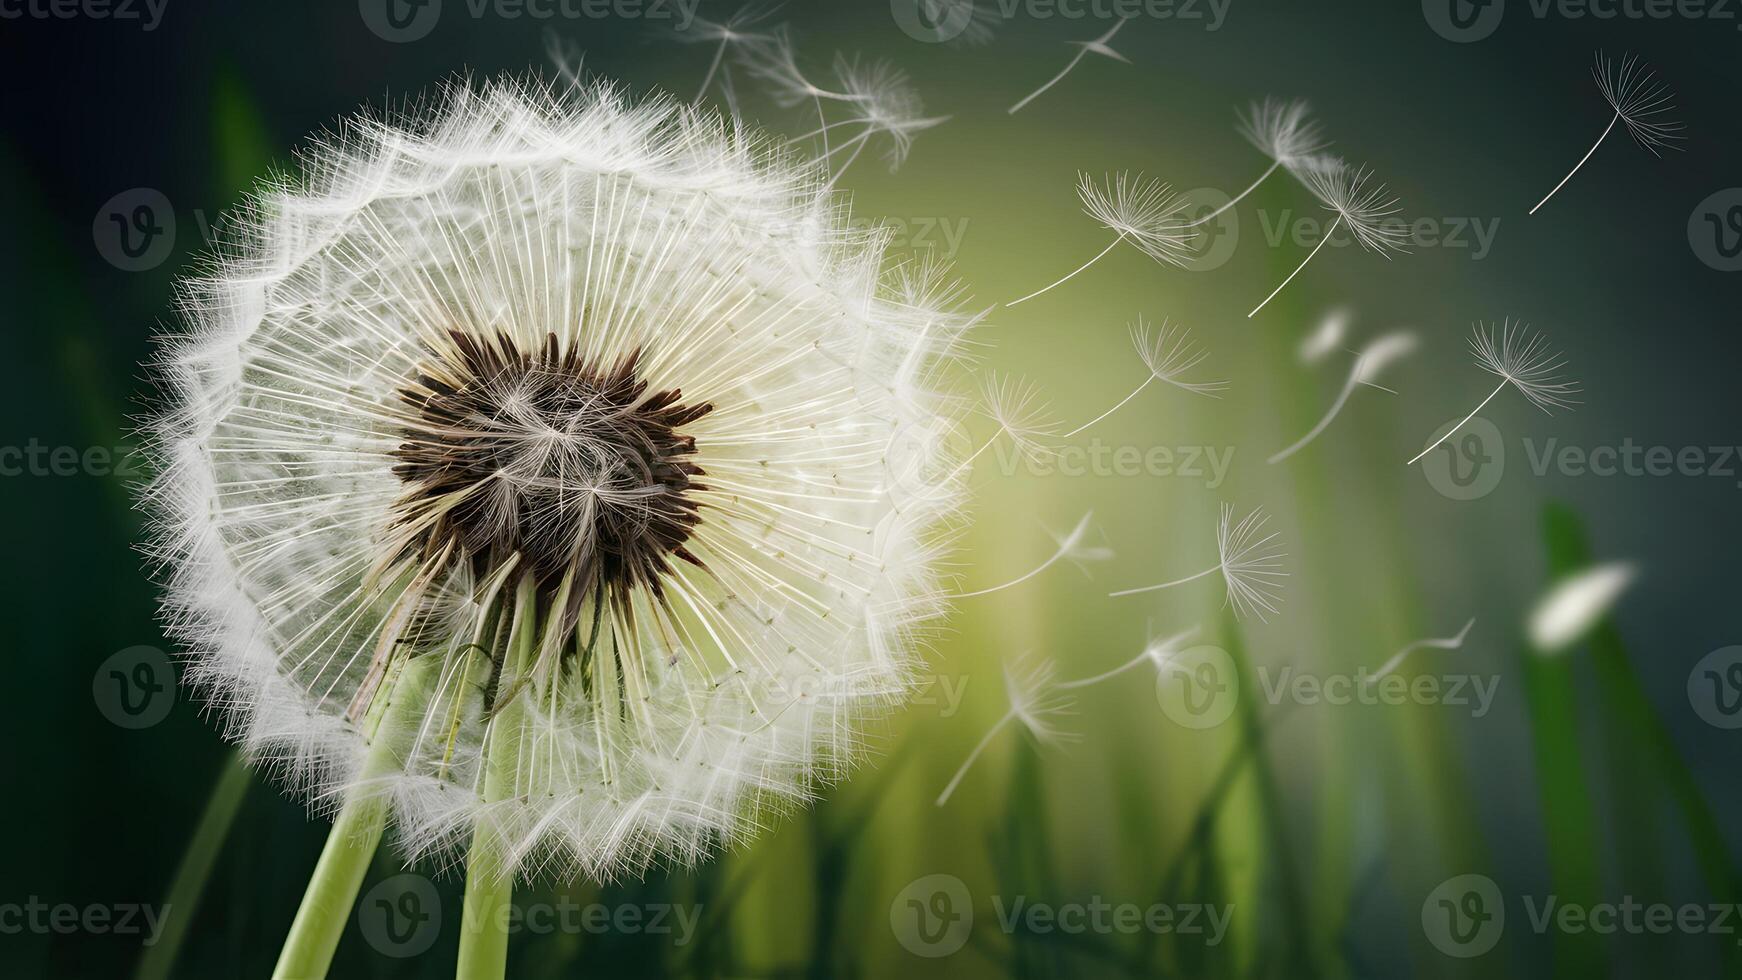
{"x":733,"y":32}
{"x":1282,"y":131}
{"x":1568,"y":611}
{"x":1453,"y":642}
{"x":1157,"y":652}
{"x":1036,"y":702}
{"x":1328,"y":337}
{"x":1097,"y":46}
{"x":1521,"y":359}
{"x":1145,"y":213}
{"x":1640,"y":100}
{"x":1071,"y":546}
{"x":517,"y":453}
{"x":1369,"y":214}
{"x":1250,"y":563}
{"x":1168,"y":354}
{"x":1368,"y":363}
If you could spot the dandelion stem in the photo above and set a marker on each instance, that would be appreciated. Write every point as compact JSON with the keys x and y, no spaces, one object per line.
{"x":1297,"y":268}
{"x":1581,"y":163}
{"x":1460,"y":425}
{"x":1213,"y":215}
{"x":1066,"y":70}
{"x":1108,"y":675}
{"x":1336,"y":407}
{"x":967,"y":763}
{"x":1063,"y":550}
{"x":332,"y":889}
{"x":719,"y":55}
{"x":189,"y":883}
{"x":489,"y":874}
{"x":1067,"y":278}
{"x":1134,"y":393}
{"x":1168,"y":585}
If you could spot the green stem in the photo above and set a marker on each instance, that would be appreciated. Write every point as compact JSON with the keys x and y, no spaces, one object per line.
{"x":489,"y":876}
{"x":189,"y":883}
{"x":332,"y":889}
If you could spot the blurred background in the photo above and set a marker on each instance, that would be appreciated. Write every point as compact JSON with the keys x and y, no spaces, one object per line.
{"x":1515,"y":813}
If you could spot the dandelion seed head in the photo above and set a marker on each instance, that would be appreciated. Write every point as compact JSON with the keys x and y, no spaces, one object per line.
{"x":1142,"y":211}
{"x":1523,"y":358}
{"x":1022,"y":413}
{"x":1363,"y":205}
{"x":1036,"y":700}
{"x":610,"y":383}
{"x":1282,"y":130}
{"x":1640,"y":99}
{"x":1169,"y":353}
{"x":1251,"y":563}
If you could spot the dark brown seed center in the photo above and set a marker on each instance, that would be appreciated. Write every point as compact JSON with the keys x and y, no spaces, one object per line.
{"x":572,"y":464}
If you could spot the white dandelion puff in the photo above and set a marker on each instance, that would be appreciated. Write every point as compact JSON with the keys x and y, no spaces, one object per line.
{"x":1037,"y":702}
{"x":518,"y":452}
{"x":1324,"y":339}
{"x":1249,"y":561}
{"x":1568,"y":611}
{"x":1372,"y":359}
{"x":1168,"y":354}
{"x":1364,"y":208}
{"x":1145,"y":213}
{"x":1452,"y":642}
{"x":735,"y":32}
{"x":1639,"y":100}
{"x":1522,"y":359}
{"x":1283,"y":131}
{"x":1098,"y":46}
{"x":1158,"y":652}
{"x":1072,"y":546}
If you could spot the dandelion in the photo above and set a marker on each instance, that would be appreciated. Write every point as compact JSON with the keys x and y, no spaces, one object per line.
{"x":1036,"y":703}
{"x":1250,"y":563}
{"x":1374,"y":358}
{"x":1168,"y":354}
{"x":872,"y":99}
{"x":1369,"y":214}
{"x":1282,"y":131}
{"x":1097,"y":46}
{"x":733,"y":32}
{"x":1639,"y":100}
{"x":1158,"y":652}
{"x":525,"y":483}
{"x":1328,"y":336}
{"x":1569,"y":610}
{"x":1453,"y":642}
{"x":1521,"y":359}
{"x":1072,"y":546}
{"x":1145,"y":213}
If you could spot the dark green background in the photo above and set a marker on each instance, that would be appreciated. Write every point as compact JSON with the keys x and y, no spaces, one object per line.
{"x":1592,"y":778}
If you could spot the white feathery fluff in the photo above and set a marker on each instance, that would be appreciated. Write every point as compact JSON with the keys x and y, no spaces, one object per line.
{"x":580,"y":218}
